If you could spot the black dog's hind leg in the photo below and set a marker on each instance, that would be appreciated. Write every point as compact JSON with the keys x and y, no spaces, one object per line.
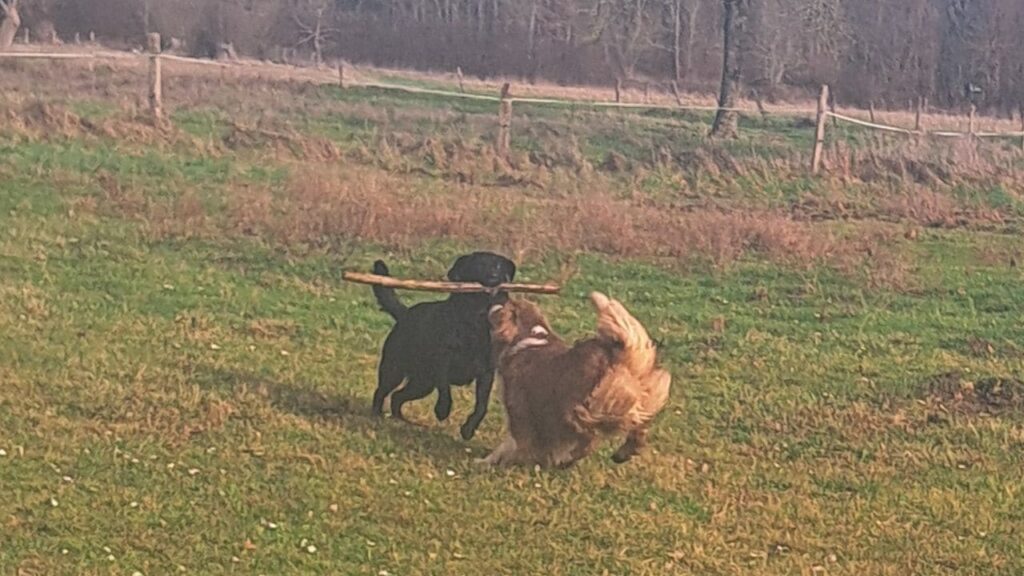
{"x":484,"y":384}
{"x":414,"y":390}
{"x":443,"y":407}
{"x":389,"y":377}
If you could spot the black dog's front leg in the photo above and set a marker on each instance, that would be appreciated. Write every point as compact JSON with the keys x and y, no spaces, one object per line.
{"x":443,"y":407}
{"x":483,"y":397}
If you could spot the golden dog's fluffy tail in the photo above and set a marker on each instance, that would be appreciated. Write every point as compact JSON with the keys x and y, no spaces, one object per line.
{"x":617,"y":325}
{"x":634,"y":390}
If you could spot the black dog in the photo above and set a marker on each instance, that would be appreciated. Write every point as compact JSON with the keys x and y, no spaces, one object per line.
{"x":435,"y":345}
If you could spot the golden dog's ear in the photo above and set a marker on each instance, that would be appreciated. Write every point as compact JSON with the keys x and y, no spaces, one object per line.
{"x":496,"y":315}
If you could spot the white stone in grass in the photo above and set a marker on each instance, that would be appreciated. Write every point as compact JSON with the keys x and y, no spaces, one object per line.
{"x":311,"y":549}
{"x":111,"y":558}
{"x":193,"y":471}
{"x":136,"y":573}
{"x":3,"y":452}
{"x":65,"y":551}
{"x":67,"y":479}
{"x":383,"y":573}
{"x":450,"y":473}
{"x":133,"y":504}
{"x":284,"y":353}
{"x":54,"y":503}
{"x":214,"y":347}
{"x":272,"y":525}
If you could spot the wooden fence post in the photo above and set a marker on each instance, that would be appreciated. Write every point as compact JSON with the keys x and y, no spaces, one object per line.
{"x":341,"y":74}
{"x":819,"y":135}
{"x":871,"y":110}
{"x":156,"y":104}
{"x":618,"y":90}
{"x":647,"y":92}
{"x":1021,"y":126}
{"x":92,"y":37}
{"x":505,"y":123}
{"x":917,"y":114}
{"x":462,"y":84}
{"x":970,"y":120}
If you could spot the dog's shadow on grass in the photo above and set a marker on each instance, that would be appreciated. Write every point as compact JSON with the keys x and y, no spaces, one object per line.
{"x":340,"y":409}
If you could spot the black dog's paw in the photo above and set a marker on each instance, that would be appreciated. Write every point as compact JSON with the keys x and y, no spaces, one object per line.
{"x":467,"y":431}
{"x":380,"y":268}
{"x":621,"y":458}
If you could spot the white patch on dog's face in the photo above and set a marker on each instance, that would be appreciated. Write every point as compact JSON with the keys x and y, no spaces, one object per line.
{"x":538,"y":337}
{"x":495,"y":308}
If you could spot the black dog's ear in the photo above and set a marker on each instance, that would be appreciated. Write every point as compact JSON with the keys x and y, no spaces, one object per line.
{"x":458,"y":271}
{"x":511,"y":271}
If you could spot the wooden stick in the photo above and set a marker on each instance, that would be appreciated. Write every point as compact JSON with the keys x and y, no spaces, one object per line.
{"x":450,"y":287}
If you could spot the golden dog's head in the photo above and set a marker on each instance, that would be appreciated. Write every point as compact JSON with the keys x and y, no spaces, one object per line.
{"x":517,"y":324}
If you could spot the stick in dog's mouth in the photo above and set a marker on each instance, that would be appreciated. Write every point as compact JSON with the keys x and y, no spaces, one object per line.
{"x":449,"y":287}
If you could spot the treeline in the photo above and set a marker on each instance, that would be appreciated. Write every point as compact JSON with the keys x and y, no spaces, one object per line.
{"x":885,"y":51}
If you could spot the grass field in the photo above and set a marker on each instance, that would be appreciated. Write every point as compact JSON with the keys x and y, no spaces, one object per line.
{"x":185,"y":380}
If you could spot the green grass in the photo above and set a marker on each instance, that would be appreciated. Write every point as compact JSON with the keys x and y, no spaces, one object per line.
{"x":200,"y":404}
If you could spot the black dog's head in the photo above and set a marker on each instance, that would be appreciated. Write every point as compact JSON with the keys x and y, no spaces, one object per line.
{"x":484,"y":268}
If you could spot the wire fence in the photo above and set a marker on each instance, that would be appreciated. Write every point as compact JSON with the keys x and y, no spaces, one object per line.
{"x":506,"y":100}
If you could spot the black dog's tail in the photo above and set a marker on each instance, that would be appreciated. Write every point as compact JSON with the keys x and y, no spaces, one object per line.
{"x":386,"y":297}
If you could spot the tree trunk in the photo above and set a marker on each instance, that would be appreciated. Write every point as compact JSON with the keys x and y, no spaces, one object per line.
{"x":677,"y":33}
{"x":11,"y":23}
{"x":531,"y":42}
{"x":531,"y":33}
{"x":726,"y":120}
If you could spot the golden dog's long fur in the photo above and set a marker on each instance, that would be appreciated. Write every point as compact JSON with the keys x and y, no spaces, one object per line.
{"x":561,"y":400}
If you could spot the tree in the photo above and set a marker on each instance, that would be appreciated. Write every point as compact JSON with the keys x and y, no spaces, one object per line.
{"x":310,"y":17}
{"x":624,"y":33}
{"x":734,"y":31}
{"x":681,"y":26}
{"x":11,"y":23}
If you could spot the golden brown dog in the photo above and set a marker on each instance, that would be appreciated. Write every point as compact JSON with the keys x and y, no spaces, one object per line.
{"x":561,"y":400}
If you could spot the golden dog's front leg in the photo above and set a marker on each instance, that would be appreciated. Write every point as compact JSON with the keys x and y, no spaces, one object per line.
{"x":501,"y":455}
